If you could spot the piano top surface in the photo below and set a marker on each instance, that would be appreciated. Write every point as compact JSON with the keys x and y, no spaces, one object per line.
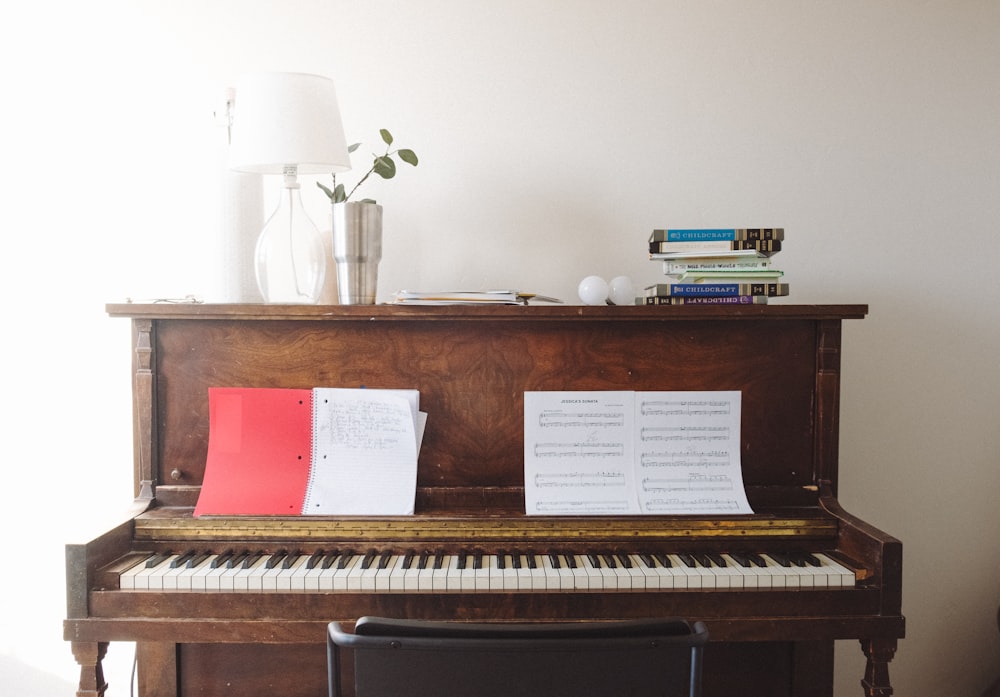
{"x":539,"y":312}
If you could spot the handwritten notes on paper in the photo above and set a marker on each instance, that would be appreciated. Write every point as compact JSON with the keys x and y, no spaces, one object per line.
{"x":620,"y":453}
{"x":364,"y":452}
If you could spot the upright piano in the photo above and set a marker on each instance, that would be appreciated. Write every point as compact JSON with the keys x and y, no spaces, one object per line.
{"x":773,"y":619}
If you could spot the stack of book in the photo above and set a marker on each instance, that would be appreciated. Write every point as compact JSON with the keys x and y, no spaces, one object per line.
{"x":716,"y":266}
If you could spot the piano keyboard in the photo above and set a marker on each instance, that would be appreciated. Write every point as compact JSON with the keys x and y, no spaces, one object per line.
{"x":430,"y":572}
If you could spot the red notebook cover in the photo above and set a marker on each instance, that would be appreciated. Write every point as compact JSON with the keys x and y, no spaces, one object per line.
{"x":259,"y":451}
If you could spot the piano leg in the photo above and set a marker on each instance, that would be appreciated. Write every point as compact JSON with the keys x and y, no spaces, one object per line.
{"x":879,"y":652}
{"x":88,"y":655}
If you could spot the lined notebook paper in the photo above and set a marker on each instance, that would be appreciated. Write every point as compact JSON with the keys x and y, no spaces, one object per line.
{"x":314,"y":451}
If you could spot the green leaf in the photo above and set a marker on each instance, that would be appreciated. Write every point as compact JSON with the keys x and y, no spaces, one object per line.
{"x":352,"y":147}
{"x":326,"y":190}
{"x":408,"y":156}
{"x":386,"y":136}
{"x":367,"y":200}
{"x":339,"y":194}
{"x":385,"y":167}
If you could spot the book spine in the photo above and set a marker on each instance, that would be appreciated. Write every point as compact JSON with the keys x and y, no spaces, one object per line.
{"x":673,"y":268}
{"x":710,"y":234}
{"x":711,"y":300}
{"x":714,"y":246}
{"x":693,"y":290}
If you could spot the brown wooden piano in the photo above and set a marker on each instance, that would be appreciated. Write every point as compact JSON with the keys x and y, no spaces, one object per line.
{"x":472,"y":365}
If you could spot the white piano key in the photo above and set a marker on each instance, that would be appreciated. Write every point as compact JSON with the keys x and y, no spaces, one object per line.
{"x":508,"y":575}
{"x":637,"y":578}
{"x":127,"y":578}
{"x":439,"y":577}
{"x":838,"y":575}
{"x":425,"y":575}
{"x":581,"y":576}
{"x":524,"y":578}
{"x":339,"y":575}
{"x":536,"y":572}
{"x":366,"y":576}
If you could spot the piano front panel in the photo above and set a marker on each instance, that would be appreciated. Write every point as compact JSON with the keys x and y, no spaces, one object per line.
{"x":472,"y":377}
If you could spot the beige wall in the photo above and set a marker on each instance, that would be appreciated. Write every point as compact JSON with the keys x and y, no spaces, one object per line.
{"x":553,"y":136}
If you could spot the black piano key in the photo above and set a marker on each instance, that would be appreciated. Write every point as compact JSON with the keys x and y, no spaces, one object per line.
{"x":251,"y":559}
{"x":812,"y":559}
{"x":461,"y":560}
{"x":197,"y":560}
{"x":366,"y":562}
{"x":781,"y":559}
{"x":222,"y":559}
{"x":532,"y":561}
{"x":182,"y":559}
{"x":330,"y":559}
{"x":315,"y":559}
{"x":741,"y":559}
{"x":383,"y":561}
{"x":717,"y":559}
{"x":408,"y":559}
{"x":236,"y":560}
{"x":664,"y":560}
{"x":515,"y":559}
{"x":275,"y":559}
{"x":570,"y":560}
{"x":595,"y":560}
{"x":501,"y":559}
{"x":609,"y":561}
{"x":344,"y":560}
{"x":688,"y":559}
{"x":624,"y":560}
{"x":648,"y":560}
{"x":422,"y":561}
{"x":157,"y":559}
{"x":758,"y":560}
{"x":703,"y":560}
{"x":554,"y":560}
{"x":290,"y":560}
{"x":477,"y":560}
{"x":438,"y":559}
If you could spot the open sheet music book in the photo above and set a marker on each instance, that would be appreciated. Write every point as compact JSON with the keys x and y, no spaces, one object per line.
{"x":320,"y":451}
{"x":624,"y":453}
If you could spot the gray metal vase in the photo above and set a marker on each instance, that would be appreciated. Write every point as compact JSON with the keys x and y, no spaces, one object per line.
{"x":357,"y":249}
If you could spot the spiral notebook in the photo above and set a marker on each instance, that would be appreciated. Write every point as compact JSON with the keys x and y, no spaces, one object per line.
{"x":320,"y":451}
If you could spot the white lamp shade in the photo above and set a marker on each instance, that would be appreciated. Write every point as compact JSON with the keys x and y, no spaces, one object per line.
{"x":282,"y":119}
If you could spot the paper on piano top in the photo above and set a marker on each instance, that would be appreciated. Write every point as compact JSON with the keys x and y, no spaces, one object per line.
{"x":364,"y":455}
{"x":623,"y":453}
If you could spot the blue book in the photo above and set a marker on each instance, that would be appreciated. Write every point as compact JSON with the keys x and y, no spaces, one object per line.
{"x":702,"y":290}
{"x":717,"y":234}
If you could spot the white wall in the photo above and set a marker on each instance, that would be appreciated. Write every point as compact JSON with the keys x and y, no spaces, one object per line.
{"x":553,"y":136}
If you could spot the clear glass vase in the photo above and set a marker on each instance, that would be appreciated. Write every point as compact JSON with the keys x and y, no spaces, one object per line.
{"x":290,"y":255}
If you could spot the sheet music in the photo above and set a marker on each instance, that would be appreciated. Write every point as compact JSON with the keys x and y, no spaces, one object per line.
{"x":689,"y":453}
{"x":620,"y":453}
{"x":365,"y":444}
{"x":578,"y":453}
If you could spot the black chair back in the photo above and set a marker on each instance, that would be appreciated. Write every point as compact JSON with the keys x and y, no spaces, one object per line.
{"x":415,"y":658}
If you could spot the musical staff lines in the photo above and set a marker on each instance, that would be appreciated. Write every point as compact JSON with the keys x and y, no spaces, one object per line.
{"x":670,"y":452}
